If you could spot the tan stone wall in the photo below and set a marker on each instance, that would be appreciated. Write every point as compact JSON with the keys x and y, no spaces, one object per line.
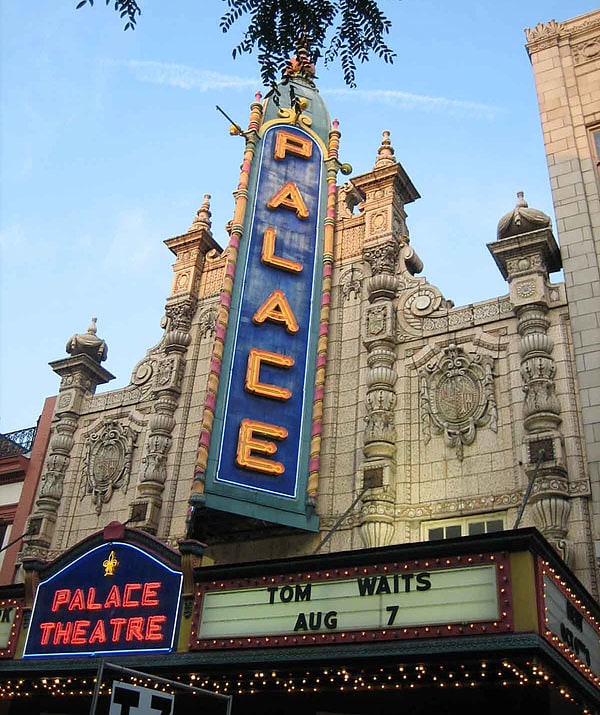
{"x":565,"y":59}
{"x":391,"y":335}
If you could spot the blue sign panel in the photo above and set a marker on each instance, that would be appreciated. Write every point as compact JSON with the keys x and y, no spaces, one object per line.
{"x":114,"y":599}
{"x":261,"y":434}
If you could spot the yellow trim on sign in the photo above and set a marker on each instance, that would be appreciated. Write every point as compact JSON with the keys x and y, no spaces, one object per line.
{"x":525,"y":606}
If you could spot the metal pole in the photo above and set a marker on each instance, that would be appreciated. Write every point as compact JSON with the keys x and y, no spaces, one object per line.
{"x":94,"y":704}
{"x":337,"y":524}
{"x":540,"y":459}
{"x":14,"y":541}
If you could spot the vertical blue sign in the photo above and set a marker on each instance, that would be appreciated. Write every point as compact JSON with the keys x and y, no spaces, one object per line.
{"x":258,"y":458}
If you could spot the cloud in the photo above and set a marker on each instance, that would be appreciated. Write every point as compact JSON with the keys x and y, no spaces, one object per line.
{"x":185,"y":77}
{"x":423,"y":102}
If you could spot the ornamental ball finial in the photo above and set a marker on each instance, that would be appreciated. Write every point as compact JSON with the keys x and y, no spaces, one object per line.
{"x":521,"y":219}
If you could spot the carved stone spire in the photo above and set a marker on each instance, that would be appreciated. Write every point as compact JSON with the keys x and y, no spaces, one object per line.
{"x":202,"y":219}
{"x":385,"y":153}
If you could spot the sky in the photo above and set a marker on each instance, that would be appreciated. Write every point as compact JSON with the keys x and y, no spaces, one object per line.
{"x":110,"y":139}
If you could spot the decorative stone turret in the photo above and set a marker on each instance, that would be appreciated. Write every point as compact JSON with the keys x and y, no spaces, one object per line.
{"x":526,"y":252}
{"x":80,"y":375}
{"x":386,"y":189}
{"x":191,"y":249}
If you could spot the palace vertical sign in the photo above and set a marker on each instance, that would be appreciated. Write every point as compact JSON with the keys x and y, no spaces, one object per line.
{"x":259,"y":453}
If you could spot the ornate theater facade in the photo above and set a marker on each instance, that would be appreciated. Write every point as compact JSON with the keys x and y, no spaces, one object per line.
{"x":327,"y":487}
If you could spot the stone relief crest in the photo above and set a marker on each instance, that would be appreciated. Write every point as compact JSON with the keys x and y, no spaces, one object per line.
{"x":107,"y":462}
{"x":457,"y":397}
{"x":376,"y":320}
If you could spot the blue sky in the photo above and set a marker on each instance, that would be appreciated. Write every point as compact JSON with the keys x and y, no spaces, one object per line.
{"x":110,"y":139}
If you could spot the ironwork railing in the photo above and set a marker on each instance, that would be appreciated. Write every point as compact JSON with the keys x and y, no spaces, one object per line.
{"x":18,"y":442}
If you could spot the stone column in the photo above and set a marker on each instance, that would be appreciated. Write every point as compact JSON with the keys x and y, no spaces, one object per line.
{"x":80,"y":375}
{"x":377,"y":518}
{"x":387,"y":188}
{"x":145,"y":510}
{"x":526,"y":252}
{"x":191,"y":249}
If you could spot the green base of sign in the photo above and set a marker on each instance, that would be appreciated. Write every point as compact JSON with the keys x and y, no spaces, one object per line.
{"x":262,"y":512}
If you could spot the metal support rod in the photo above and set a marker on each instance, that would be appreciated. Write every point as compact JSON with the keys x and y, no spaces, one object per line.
{"x":14,"y":541}
{"x":540,"y":458}
{"x":94,"y":704}
{"x":338,"y":523}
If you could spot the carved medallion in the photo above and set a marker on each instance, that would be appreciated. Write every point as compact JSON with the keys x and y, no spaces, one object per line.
{"x":107,"y":462}
{"x":457,"y":397}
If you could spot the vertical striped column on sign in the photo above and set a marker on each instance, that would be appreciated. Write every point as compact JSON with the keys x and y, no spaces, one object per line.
{"x":329,"y":228}
{"x":237,"y":227}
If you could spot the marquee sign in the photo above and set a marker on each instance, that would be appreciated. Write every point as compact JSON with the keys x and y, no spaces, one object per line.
{"x":569,"y":626}
{"x":258,"y":460}
{"x":116,"y":598}
{"x":11,"y":612}
{"x":419,"y":599}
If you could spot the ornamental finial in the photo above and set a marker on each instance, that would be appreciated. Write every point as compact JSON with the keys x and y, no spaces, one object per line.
{"x":300,"y":65}
{"x":385,"y":153}
{"x":89,"y":344}
{"x":522,"y":219}
{"x":203,"y":215}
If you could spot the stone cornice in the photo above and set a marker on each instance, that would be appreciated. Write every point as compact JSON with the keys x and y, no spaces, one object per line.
{"x":546,"y":34}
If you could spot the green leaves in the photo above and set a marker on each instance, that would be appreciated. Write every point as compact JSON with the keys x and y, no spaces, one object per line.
{"x":126,"y":8}
{"x":275,"y":27}
{"x":349,"y":30}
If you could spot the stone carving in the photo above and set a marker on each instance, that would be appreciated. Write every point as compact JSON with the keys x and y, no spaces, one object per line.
{"x":379,"y":222}
{"x":525,"y":289}
{"x":383,"y":257}
{"x":376,"y":320}
{"x":107,"y":462}
{"x":521,"y":219}
{"x":88,"y":344}
{"x":207,"y":322}
{"x":421,"y":308}
{"x":349,"y":199}
{"x":457,"y":397}
{"x":180,"y":314}
{"x":377,"y":527}
{"x":154,"y":460}
{"x":351,"y":283}
{"x":460,"y":317}
{"x":58,"y":460}
{"x":586,"y":51}
{"x":544,"y":31}
{"x":551,"y":514}
{"x":352,"y":243}
{"x":143,"y":371}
